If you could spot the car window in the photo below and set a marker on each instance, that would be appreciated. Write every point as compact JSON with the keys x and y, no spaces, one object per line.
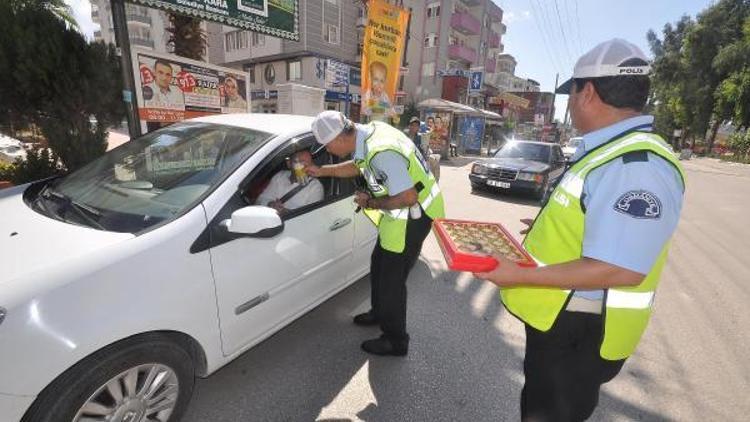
{"x":261,"y":186}
{"x":524,"y":150}
{"x":154,"y":178}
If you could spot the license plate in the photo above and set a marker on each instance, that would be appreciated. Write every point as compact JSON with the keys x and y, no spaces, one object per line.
{"x":495,"y":183}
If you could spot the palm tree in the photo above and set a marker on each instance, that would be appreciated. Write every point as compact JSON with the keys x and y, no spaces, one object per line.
{"x":186,"y":36}
{"x":58,"y":8}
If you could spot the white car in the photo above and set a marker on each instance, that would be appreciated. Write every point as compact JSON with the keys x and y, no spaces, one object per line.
{"x":124,"y":280}
{"x":11,"y":149}
{"x":570,"y":148}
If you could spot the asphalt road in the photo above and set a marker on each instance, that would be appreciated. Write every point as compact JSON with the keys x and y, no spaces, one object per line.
{"x":466,"y":351}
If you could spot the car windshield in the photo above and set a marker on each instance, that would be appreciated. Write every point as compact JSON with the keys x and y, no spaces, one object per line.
{"x":524,"y":150}
{"x":151,"y":179}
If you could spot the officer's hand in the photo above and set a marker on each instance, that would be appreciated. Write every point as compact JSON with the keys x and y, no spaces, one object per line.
{"x":528,"y":222}
{"x":361,"y":198}
{"x":505,"y":274}
{"x":313,"y":170}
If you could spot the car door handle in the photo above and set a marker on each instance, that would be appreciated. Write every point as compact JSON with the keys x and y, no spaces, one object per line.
{"x":341,"y":222}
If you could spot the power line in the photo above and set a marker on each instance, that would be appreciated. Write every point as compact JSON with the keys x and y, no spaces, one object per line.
{"x":553,"y":58}
{"x":571,"y":28}
{"x":578,"y":26}
{"x":562,"y":31}
{"x":548,"y":26}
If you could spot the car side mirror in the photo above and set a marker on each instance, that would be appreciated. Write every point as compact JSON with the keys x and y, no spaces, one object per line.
{"x":254,"y":221}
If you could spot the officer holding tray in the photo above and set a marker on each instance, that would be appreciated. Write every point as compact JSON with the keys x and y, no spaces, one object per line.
{"x":600,"y":242}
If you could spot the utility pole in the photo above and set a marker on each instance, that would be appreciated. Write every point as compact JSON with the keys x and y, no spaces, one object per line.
{"x":122,"y":40}
{"x":554,"y":95}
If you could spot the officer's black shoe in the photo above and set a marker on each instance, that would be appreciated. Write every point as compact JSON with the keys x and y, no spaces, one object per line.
{"x":385,"y":346}
{"x":366,"y":319}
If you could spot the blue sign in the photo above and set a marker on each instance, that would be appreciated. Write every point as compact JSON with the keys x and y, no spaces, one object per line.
{"x":472,"y":132}
{"x":337,"y":96}
{"x":475,"y":83}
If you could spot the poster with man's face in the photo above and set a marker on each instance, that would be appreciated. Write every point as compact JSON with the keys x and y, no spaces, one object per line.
{"x":438,"y":124}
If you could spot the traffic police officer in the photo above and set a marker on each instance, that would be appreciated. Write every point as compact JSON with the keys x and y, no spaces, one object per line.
{"x":402,"y":201}
{"x":600,"y":241}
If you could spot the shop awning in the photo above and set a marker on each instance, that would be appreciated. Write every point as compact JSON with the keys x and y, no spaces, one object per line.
{"x":440,"y":104}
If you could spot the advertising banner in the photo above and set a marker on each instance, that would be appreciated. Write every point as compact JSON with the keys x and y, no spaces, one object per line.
{"x":381,"y":58}
{"x":472,"y":133}
{"x":171,"y":88}
{"x":278,"y":18}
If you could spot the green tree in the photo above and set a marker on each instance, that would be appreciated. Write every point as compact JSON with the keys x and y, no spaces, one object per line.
{"x":186,"y":36}
{"x":57,"y":7}
{"x":55,"y":80}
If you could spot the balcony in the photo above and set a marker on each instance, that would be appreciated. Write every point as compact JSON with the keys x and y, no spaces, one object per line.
{"x":496,"y":13}
{"x":493,"y":40}
{"x":489,"y":65}
{"x":465,"y":23}
{"x":502,"y":28}
{"x":136,"y":17}
{"x":466,"y":54}
{"x":142,"y":42}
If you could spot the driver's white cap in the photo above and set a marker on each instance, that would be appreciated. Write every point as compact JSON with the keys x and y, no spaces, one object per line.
{"x":328,"y":125}
{"x":615,"y":57}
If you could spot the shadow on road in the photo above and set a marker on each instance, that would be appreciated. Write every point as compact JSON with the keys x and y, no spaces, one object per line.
{"x":513,"y":198}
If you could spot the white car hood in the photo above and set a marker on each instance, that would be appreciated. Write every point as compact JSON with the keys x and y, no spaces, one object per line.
{"x":30,"y":241}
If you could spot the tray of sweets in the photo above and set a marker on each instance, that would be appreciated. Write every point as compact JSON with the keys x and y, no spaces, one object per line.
{"x":467,"y":244}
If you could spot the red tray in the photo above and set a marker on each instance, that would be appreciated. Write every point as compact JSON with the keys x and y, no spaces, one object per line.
{"x":457,"y":237}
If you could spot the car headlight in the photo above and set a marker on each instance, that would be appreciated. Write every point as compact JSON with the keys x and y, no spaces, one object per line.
{"x":2,"y":315}
{"x":478,"y":169}
{"x":530,"y":177}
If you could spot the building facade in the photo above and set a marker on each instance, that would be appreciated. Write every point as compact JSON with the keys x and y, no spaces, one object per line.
{"x":146,"y":26}
{"x":450,"y":36}
{"x":329,"y":47}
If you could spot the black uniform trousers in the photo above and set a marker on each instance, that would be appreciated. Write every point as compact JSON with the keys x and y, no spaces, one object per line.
{"x":388,"y":274}
{"x":564,"y":370}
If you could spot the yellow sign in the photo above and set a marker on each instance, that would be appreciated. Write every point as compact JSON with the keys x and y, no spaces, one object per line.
{"x":511,"y":100}
{"x":381,"y":58}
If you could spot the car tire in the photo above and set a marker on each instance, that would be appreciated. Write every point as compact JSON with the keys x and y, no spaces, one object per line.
{"x":475,"y":187}
{"x":157,"y":363}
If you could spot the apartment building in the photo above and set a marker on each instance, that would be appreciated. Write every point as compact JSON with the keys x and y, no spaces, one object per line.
{"x":328,"y":49}
{"x":448,"y":37}
{"x":145,"y":25}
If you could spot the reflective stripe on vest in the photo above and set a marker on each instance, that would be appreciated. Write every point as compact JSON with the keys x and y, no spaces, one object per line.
{"x":557,"y":236}
{"x":392,"y":223}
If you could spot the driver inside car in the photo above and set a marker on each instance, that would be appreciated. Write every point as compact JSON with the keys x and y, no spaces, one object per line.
{"x":292,"y":188}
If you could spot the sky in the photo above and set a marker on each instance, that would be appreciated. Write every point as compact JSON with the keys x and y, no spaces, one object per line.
{"x":544,"y":44}
{"x":547,"y":36}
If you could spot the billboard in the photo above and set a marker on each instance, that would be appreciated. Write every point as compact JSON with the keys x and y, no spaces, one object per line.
{"x":171,"y":88}
{"x":278,"y":18}
{"x":381,"y":58}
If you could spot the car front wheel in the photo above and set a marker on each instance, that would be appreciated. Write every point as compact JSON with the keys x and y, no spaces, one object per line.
{"x":146,"y":380}
{"x":543,"y":193}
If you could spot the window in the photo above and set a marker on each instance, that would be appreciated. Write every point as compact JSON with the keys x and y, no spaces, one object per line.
{"x":258,"y":40}
{"x":235,"y":40}
{"x":452,"y":40}
{"x":433,"y":10}
{"x":430,"y":40}
{"x":332,"y":34}
{"x":428,"y":69}
{"x":294,"y":70}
